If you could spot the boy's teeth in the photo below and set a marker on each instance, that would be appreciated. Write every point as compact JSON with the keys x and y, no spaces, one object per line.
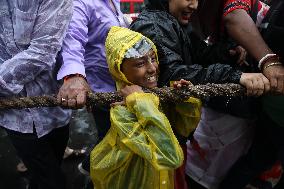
{"x":152,"y":78}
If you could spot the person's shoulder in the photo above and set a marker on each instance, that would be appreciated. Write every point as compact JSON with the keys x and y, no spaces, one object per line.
{"x":87,"y":8}
{"x":155,"y":18}
{"x":85,"y":3}
{"x":156,"y":23}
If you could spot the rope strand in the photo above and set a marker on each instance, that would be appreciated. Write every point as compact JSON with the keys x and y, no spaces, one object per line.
{"x":166,"y":94}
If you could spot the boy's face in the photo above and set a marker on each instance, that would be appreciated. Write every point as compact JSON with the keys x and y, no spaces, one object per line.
{"x":141,"y":71}
{"x":182,"y":9}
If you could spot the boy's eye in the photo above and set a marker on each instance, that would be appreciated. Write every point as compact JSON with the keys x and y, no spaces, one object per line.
{"x":140,"y":64}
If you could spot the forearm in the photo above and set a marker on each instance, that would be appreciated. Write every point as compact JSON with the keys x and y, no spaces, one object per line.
{"x":73,"y":48}
{"x":241,"y":28}
{"x":197,"y":74}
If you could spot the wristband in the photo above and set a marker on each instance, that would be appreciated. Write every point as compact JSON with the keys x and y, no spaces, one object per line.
{"x":73,"y":75}
{"x":266,"y":58}
{"x":272,"y":64}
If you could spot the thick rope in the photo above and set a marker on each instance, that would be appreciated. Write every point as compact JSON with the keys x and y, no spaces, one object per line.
{"x":166,"y":94}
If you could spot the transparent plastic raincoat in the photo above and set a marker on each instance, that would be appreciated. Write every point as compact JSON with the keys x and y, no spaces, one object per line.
{"x":184,"y":116}
{"x":140,"y":151}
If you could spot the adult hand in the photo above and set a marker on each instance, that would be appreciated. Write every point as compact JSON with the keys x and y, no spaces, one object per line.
{"x":181,"y":83}
{"x":255,"y":83}
{"x":275,"y":74}
{"x":127,"y":90}
{"x":241,"y":53}
{"x":73,"y":92}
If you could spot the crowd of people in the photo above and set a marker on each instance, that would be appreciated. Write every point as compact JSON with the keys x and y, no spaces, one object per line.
{"x":74,"y":47}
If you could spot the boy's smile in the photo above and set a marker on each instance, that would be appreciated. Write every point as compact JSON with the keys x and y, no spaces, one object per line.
{"x":141,"y":71}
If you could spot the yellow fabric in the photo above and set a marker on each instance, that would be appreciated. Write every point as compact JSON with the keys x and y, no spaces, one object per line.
{"x":118,"y":41}
{"x":184,"y":117}
{"x":139,"y":151}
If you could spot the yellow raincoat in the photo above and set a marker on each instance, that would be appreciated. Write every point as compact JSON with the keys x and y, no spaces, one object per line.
{"x":140,"y":151}
{"x":185,"y":116}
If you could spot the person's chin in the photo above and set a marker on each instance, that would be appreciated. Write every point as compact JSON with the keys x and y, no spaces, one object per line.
{"x":151,"y":85}
{"x":184,"y":22}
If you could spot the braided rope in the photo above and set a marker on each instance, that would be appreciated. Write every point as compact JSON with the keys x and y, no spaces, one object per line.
{"x":166,"y":94}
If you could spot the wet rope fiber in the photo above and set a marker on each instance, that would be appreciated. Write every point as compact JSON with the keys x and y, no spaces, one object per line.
{"x":166,"y":94}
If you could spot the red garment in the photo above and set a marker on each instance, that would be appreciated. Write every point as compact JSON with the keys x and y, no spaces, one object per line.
{"x":180,"y":176}
{"x":273,"y":175}
{"x":228,"y":6}
{"x":231,"y":5}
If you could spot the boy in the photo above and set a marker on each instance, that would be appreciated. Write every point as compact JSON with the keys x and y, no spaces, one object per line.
{"x":140,"y":150}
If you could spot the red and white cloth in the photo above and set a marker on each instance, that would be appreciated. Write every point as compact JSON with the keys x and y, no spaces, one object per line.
{"x":219,"y":141}
{"x":231,"y":5}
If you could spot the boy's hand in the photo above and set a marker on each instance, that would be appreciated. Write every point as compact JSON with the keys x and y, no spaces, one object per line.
{"x":127,"y":90}
{"x":255,"y":83}
{"x":181,"y":83}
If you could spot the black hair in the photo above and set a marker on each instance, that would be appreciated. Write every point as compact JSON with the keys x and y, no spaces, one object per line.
{"x":158,"y":5}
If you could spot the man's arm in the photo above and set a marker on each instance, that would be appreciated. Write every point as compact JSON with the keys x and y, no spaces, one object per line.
{"x":73,"y":48}
{"x":74,"y":89}
{"x":241,"y":27}
{"x":46,"y":39}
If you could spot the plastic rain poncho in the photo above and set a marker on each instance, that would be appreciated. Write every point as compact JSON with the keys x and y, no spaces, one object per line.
{"x":140,"y":151}
{"x":184,"y":116}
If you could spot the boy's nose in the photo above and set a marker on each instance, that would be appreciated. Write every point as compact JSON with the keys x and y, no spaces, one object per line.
{"x":151,"y":68}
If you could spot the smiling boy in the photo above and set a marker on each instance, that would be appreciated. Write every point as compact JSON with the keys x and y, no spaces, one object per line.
{"x":142,"y":71}
{"x":140,"y":150}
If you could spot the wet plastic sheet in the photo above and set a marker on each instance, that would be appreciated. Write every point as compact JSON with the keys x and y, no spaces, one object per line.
{"x":139,"y":151}
{"x":184,"y":117}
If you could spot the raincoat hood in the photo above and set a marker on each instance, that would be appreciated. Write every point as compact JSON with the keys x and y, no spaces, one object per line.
{"x":118,"y":42}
